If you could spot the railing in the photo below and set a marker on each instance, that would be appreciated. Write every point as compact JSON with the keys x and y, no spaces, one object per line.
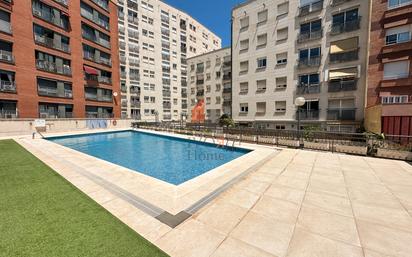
{"x":344,"y":57}
{"x":167,"y":93}
{"x":8,"y":86}
{"x":5,"y":26}
{"x":95,"y":97}
{"x":55,"y":115}
{"x":135,"y":104}
{"x":341,"y":114}
{"x":103,"y":79}
{"x":309,"y":114}
{"x":94,"y":115}
{"x":7,"y":114}
{"x":46,"y":15}
{"x":102,"y":4}
{"x":339,"y":2}
{"x":6,"y":56}
{"x":342,"y":85}
{"x":227,"y":77}
{"x":167,"y":105}
{"x":52,"y":67}
{"x":227,"y":90}
{"x":49,"y":42}
{"x":307,"y":36}
{"x":309,"y":62}
{"x":303,"y":89}
{"x":338,"y":28}
{"x":310,"y":8}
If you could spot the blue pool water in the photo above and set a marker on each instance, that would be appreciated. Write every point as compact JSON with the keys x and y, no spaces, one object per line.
{"x":169,"y":159}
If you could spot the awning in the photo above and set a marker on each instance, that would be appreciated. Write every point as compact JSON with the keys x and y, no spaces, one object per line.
{"x":346,"y":45}
{"x":343,"y":73}
{"x":91,"y":71}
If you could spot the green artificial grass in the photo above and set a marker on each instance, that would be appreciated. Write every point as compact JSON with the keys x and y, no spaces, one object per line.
{"x":43,"y":215}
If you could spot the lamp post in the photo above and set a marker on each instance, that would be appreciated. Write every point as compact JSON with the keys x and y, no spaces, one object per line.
{"x":299,"y":102}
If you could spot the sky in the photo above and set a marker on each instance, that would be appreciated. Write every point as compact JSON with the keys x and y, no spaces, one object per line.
{"x":214,"y":14}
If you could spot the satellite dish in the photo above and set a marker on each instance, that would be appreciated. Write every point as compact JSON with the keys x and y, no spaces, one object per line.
{"x":115,"y":94}
{"x":300,"y":101}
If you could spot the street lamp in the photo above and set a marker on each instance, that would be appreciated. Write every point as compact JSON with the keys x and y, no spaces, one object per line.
{"x":299,"y":102}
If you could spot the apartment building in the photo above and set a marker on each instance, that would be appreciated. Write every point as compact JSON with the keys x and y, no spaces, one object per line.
{"x":308,"y":48}
{"x":210,"y":85}
{"x":389,"y":94}
{"x":59,"y":59}
{"x":155,"y":42}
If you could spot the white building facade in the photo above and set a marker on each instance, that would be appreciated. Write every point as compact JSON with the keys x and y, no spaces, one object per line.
{"x":155,"y":41}
{"x":287,"y":49}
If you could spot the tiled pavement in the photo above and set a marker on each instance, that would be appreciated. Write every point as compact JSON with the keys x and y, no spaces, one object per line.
{"x":304,"y":203}
{"x":300,"y":203}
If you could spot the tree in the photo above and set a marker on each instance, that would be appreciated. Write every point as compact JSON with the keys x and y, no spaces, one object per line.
{"x":226,"y":121}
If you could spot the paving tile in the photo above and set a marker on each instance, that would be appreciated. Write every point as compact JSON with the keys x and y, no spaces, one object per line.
{"x":329,"y":187}
{"x":330,"y":225}
{"x":239,"y":197}
{"x":374,"y":196}
{"x":253,"y":186}
{"x":370,"y":253}
{"x":334,"y":204}
{"x":277,"y":209}
{"x":119,"y":207}
{"x":222,"y":216}
{"x":306,"y":244}
{"x":384,"y":239}
{"x":102,"y":196}
{"x":391,"y":217}
{"x":285,"y":193}
{"x":267,"y":234}
{"x":191,"y":239}
{"x":232,"y":247}
{"x":296,"y":183}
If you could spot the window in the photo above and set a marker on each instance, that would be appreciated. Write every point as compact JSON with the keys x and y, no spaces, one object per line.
{"x":261,"y":63}
{"x":282,"y":34}
{"x":280,"y":127}
{"x":244,"y":87}
{"x":398,"y":35}
{"x":280,"y":106}
{"x":244,"y":23}
{"x":282,"y":58}
{"x":260,"y":108}
{"x":311,"y":27}
{"x":261,"y":86}
{"x":208,"y":100}
{"x":344,"y":17}
{"x":309,"y":79}
{"x":218,"y":99}
{"x":396,"y":70}
{"x":244,"y":45}
{"x":262,"y":17}
{"x":262,"y":40}
{"x":283,"y":9}
{"x":305,"y":54}
{"x":281,"y":83}
{"x":218,"y":87}
{"x":400,"y":99}
{"x":398,"y":3}
{"x":244,"y":67}
{"x":244,"y":108}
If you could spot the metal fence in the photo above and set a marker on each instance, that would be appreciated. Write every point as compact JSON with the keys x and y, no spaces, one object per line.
{"x":367,"y":144}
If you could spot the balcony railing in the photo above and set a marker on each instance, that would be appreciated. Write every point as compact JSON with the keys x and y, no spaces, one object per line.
{"x":95,"y":97}
{"x":307,"y":36}
{"x":167,"y":93}
{"x":46,"y":15}
{"x":97,"y":115}
{"x":6,"y":56}
{"x":54,"y":92}
{"x":8,"y":114}
{"x":92,"y":57}
{"x":167,"y":105}
{"x":341,"y":114}
{"x":8,"y":86}
{"x":5,"y":27}
{"x":309,"y":62}
{"x":344,"y":57}
{"x":309,"y":114}
{"x":63,"y":2}
{"x":103,"y":79}
{"x":227,"y":90}
{"x":338,"y":28}
{"x":303,"y":89}
{"x":342,"y":85}
{"x":310,"y":8}
{"x":339,"y":2}
{"x":55,"y":115}
{"x":49,"y":42}
{"x":227,"y":77}
{"x":135,"y":104}
{"x":52,"y":67}
{"x":102,"y":4}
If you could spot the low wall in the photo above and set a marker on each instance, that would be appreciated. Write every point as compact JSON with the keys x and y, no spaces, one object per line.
{"x":26,"y":126}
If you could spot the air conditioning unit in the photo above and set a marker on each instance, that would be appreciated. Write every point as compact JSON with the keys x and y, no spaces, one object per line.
{"x":37,"y":12}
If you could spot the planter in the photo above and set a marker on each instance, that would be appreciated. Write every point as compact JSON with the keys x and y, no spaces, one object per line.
{"x":288,"y":142}
{"x":359,"y":150}
{"x":267,"y":140}
{"x":317,"y":146}
{"x":249,"y":138}
{"x":394,"y":154}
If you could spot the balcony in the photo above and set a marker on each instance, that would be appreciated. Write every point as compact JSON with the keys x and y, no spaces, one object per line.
{"x":344,"y":57}
{"x":345,"y":114}
{"x":200,"y":82}
{"x":102,"y":3}
{"x":227,"y":90}
{"x":98,"y":115}
{"x":310,"y":8}
{"x":103,"y":79}
{"x":52,"y":67}
{"x":134,"y":90}
{"x":92,"y":57}
{"x":102,"y":23}
{"x":63,"y":2}
{"x":46,"y":15}
{"x":303,"y":89}
{"x":49,"y":42}
{"x":134,"y":76}
{"x":227,"y":77}
{"x":5,"y":27}
{"x":98,"y":98}
{"x":167,"y":116}
{"x":308,"y":36}
{"x":309,"y":114}
{"x":8,"y":114}
{"x":309,"y":62}
{"x":167,"y":93}
{"x":53,"y":92}
{"x":399,"y":47}
{"x":6,"y":56}
{"x":133,"y":20}
{"x":200,"y":93}
{"x":167,"y":105}
{"x":348,"y":26}
{"x":8,"y":86}
{"x":342,"y":85}
{"x":135,"y":104}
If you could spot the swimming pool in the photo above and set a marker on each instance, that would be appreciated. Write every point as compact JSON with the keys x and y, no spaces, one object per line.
{"x":169,"y":159}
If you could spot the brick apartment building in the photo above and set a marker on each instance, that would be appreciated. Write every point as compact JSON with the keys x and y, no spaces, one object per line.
{"x":59,"y":59}
{"x":389,"y":94}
